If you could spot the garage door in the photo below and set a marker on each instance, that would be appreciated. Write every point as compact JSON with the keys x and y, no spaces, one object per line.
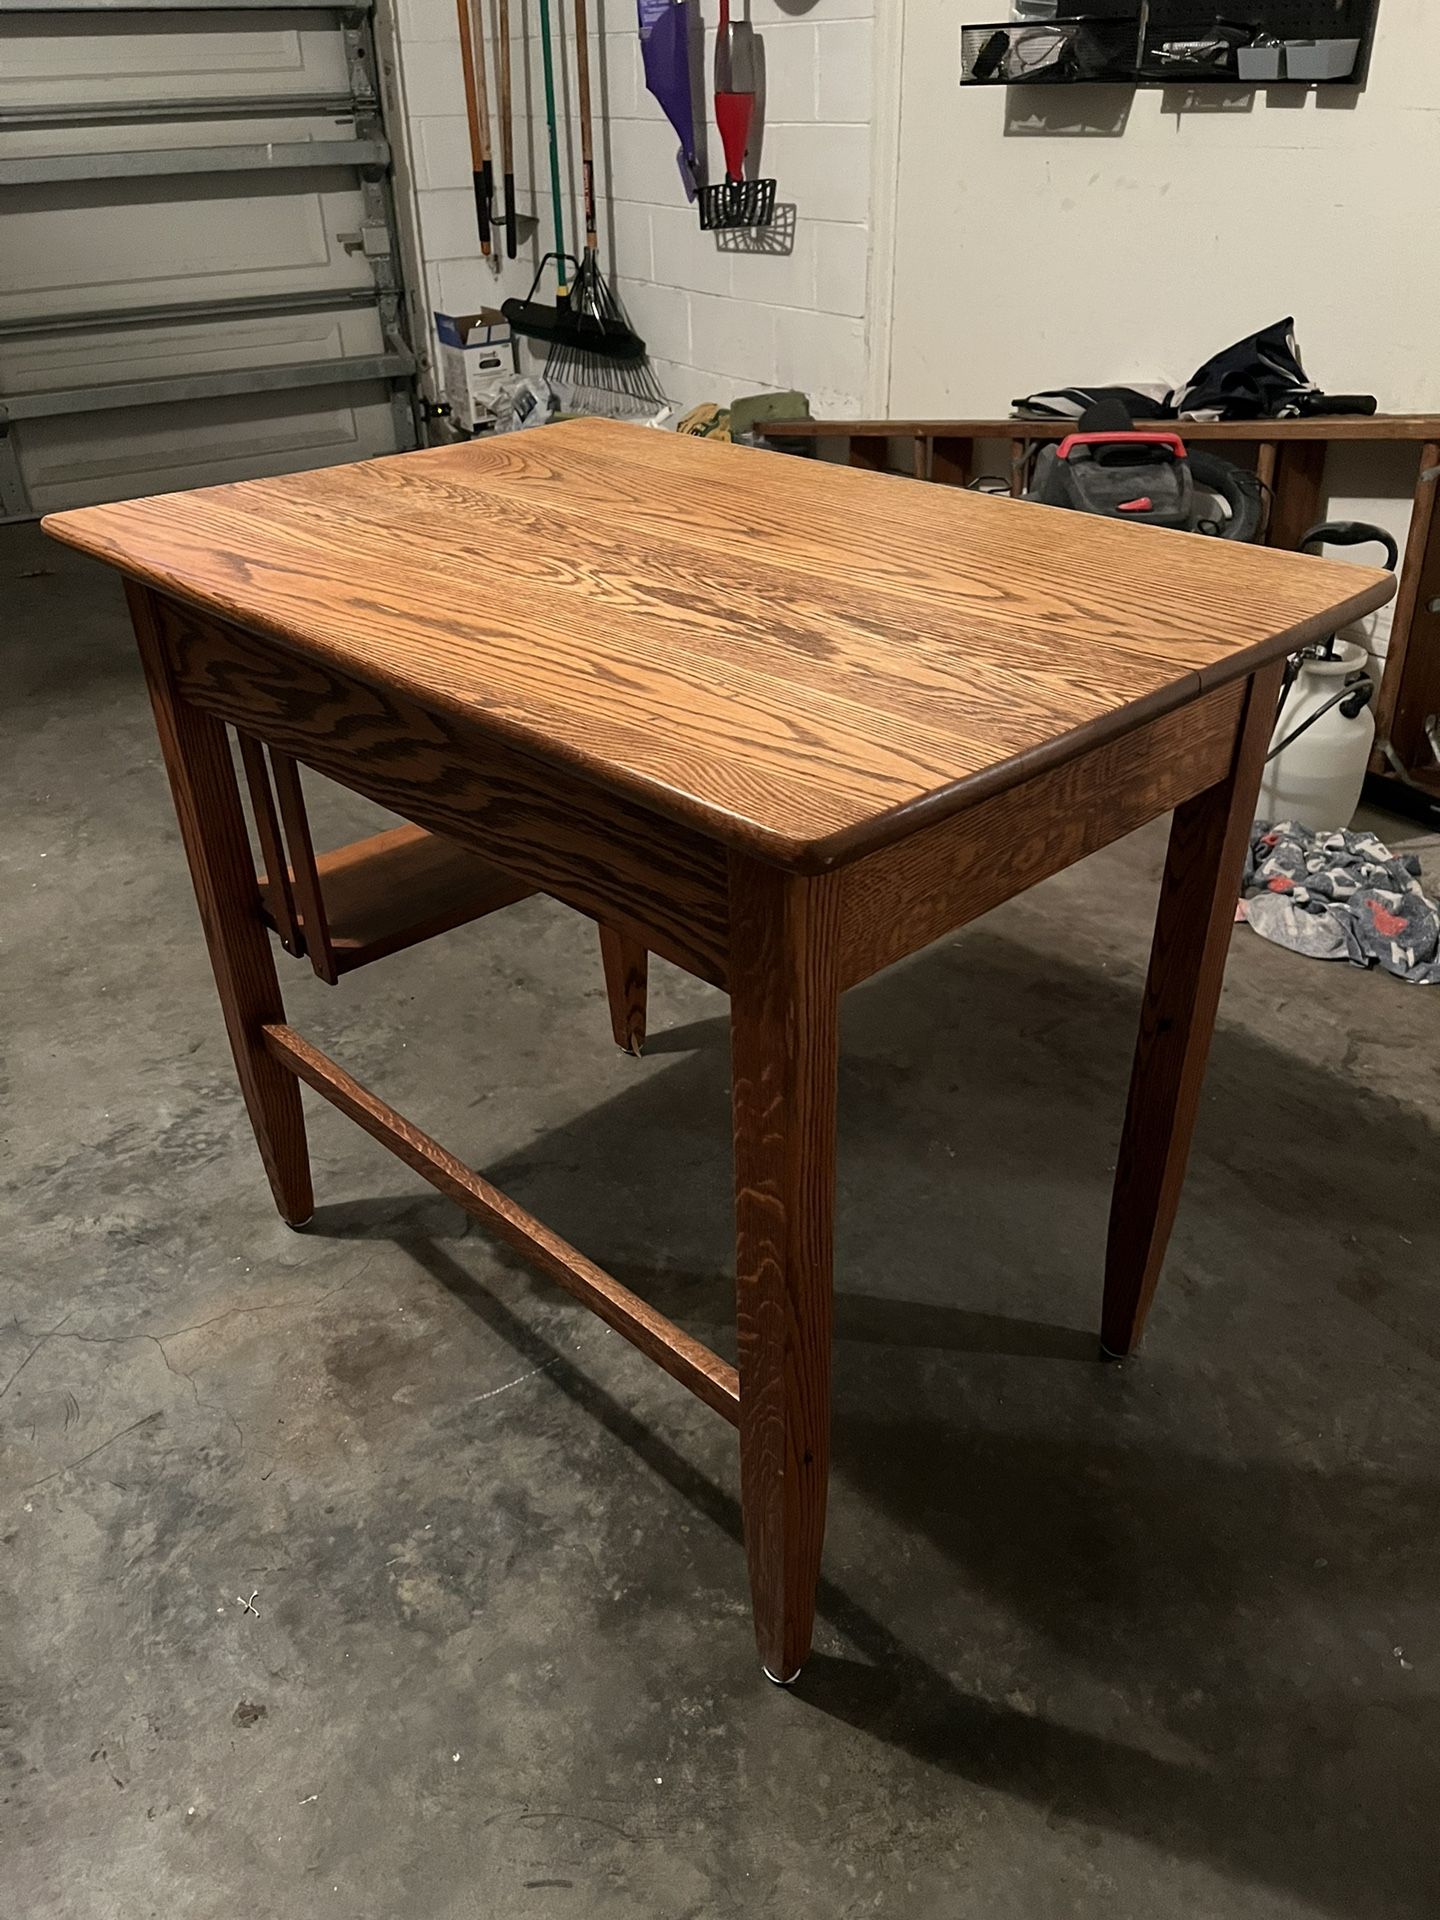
{"x":201,"y":275}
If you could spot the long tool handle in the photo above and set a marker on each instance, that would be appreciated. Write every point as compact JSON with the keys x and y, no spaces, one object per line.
{"x":476,"y":113}
{"x":587,"y":137}
{"x":547,"y":54}
{"x":507,"y":129}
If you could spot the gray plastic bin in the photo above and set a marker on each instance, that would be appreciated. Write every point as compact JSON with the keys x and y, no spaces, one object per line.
{"x":1320,"y":59}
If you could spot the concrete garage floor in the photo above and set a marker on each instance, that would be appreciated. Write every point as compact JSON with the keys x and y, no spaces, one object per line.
{"x":1141,"y":1641}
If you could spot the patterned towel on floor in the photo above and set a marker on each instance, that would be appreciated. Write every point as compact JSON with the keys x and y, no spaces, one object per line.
{"x":1341,"y":896}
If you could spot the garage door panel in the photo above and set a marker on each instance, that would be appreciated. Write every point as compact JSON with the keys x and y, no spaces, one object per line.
{"x":133,"y":136}
{"x":110,"y":244}
{"x":55,"y":61}
{"x":68,"y":463}
{"x":177,"y":248}
{"x":101,"y":355}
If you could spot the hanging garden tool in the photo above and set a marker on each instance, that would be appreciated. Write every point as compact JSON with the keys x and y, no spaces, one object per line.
{"x":591,"y":298}
{"x":665,"y":48}
{"x":586,"y":317}
{"x":507,"y":127}
{"x":531,"y":316}
{"x":600,"y":362}
{"x":477,"y":112}
{"x":737,"y":202}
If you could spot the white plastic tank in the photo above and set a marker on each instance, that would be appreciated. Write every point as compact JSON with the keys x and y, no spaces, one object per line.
{"x":1317,"y":778}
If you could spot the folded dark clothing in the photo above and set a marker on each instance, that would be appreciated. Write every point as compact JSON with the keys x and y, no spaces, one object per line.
{"x":1073,"y":403}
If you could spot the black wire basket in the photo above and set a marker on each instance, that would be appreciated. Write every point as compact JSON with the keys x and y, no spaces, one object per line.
{"x":737,"y":203}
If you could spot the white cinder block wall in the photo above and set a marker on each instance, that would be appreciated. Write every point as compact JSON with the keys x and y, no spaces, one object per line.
{"x":718,"y":321}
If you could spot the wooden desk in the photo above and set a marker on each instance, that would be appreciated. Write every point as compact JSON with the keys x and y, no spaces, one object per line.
{"x":1289,"y":456}
{"x":783,"y":723}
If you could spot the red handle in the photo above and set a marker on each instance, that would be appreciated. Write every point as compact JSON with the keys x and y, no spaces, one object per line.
{"x":734,"y":113}
{"x":1171,"y":440}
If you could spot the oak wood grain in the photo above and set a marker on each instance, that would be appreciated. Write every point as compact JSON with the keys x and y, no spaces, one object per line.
{"x":784,"y":1004}
{"x":212,"y":828}
{"x":304,"y":871}
{"x":1419,"y":585}
{"x":802,"y":660}
{"x":1193,"y":926}
{"x":276,"y":890}
{"x":714,"y":1380}
{"x":610,"y":858}
{"x":1026,"y":584}
{"x":627,"y":973}
{"x":900,"y":899}
{"x":398,"y":888}
{"x":779,"y":728}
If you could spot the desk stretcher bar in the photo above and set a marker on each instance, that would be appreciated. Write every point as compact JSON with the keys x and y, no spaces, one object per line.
{"x":708,"y":1377}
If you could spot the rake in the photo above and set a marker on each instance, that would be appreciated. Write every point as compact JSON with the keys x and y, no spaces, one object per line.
{"x":593,"y":349}
{"x":610,"y":375}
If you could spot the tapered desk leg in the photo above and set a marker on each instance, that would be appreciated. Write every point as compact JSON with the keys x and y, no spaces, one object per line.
{"x":1193,"y":925}
{"x":627,"y":967}
{"x":784,"y":1005}
{"x":212,"y":826}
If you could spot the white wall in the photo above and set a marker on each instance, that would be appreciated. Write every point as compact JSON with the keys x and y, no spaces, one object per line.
{"x":1103,"y":234}
{"x":1011,"y":245}
{"x":718,"y":323}
{"x":1032,"y":250}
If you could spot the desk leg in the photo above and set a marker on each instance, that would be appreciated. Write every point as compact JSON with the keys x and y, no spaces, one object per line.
{"x":1193,"y":925}
{"x":212,"y":826}
{"x":627,"y":974}
{"x":784,"y":1007}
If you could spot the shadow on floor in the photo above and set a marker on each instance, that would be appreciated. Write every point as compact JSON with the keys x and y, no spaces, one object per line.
{"x":1217,"y":1588}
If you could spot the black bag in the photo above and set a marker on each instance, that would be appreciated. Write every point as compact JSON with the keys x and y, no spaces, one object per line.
{"x":1149,"y":478}
{"x":1143,"y":478}
{"x":1261,"y":378}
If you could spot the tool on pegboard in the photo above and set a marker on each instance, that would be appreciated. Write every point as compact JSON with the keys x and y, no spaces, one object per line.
{"x":736,"y":201}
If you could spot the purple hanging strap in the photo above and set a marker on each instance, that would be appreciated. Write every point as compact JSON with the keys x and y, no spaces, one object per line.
{"x":665,"y":47}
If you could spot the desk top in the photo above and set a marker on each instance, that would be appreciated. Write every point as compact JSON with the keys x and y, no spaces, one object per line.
{"x":804,"y":660}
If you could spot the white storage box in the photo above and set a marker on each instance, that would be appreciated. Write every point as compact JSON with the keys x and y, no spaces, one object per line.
{"x":477,"y":357}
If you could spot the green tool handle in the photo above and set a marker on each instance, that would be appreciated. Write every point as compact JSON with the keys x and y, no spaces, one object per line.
{"x":549,"y":59}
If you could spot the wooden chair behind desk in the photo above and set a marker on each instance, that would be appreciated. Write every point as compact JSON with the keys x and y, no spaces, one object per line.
{"x":377,"y":896}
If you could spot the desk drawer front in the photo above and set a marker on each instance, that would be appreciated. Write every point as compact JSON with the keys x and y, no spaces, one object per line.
{"x":905,"y":896}
{"x":595,"y":852}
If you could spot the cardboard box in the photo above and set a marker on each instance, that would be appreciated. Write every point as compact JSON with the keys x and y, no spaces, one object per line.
{"x":476,"y":356}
